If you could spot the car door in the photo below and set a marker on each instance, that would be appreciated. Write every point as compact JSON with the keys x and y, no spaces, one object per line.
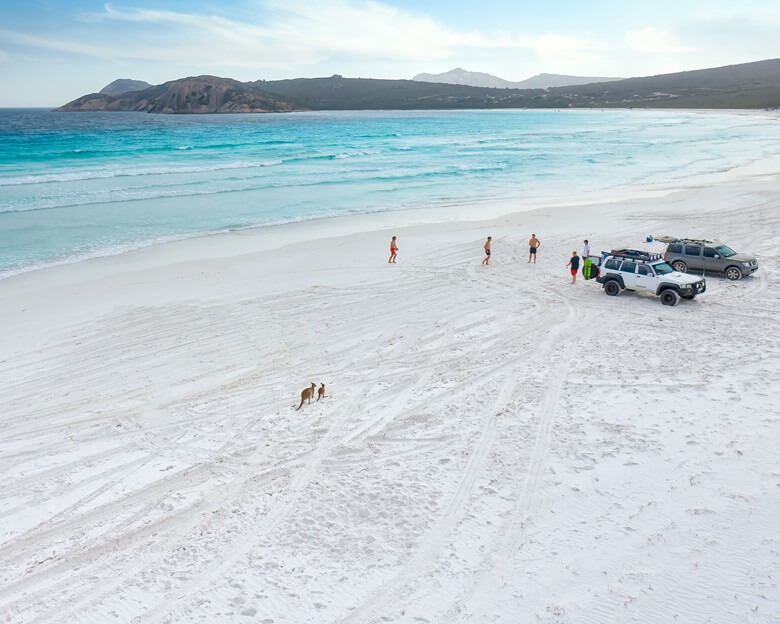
{"x":712,"y":260}
{"x":692,"y":257}
{"x":645,"y":278}
{"x":628,"y":273}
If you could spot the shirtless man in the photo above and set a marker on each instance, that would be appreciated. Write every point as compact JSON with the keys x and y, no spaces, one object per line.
{"x":533,"y":244}
{"x":393,"y":250}
{"x":487,"y":251}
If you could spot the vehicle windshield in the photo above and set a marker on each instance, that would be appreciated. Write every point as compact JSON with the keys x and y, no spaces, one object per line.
{"x":724,"y":251}
{"x":662,"y":268}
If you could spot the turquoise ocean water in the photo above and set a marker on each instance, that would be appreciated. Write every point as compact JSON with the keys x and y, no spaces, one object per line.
{"x":80,"y":185}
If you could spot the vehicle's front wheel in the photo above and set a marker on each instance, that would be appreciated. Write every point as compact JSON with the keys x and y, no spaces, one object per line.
{"x":733,"y":273}
{"x":612,"y":288}
{"x":670,"y":297}
{"x":680,"y":266}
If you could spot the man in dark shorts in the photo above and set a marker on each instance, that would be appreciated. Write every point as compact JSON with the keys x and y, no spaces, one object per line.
{"x":487,"y":251}
{"x":533,"y":245}
{"x":574,"y":263}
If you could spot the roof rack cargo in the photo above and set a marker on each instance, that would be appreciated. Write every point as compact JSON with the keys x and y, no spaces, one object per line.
{"x":698,"y":241}
{"x":635,"y":254}
{"x":674,"y":239}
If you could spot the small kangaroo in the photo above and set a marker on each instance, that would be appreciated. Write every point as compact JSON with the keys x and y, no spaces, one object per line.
{"x":306,"y":394}
{"x":321,"y":392}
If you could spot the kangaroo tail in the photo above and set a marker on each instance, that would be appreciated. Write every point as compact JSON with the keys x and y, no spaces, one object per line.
{"x":299,"y":407}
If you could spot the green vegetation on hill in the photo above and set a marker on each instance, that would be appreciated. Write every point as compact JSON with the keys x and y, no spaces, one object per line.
{"x":750,"y":85}
{"x":337,"y":93}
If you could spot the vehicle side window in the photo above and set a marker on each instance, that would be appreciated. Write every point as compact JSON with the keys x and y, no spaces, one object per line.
{"x":628,"y":267}
{"x":709,"y":252}
{"x":692,"y":250}
{"x":645,"y":270}
{"x":674,"y":248}
{"x":613,"y":264}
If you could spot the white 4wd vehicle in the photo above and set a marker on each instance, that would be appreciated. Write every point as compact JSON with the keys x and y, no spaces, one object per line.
{"x":632,"y":269}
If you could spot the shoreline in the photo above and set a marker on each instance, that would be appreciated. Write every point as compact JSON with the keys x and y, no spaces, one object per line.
{"x":771,"y":112}
{"x":400,"y":218}
{"x":245,"y":262}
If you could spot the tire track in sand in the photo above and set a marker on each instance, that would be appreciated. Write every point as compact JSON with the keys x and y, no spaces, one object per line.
{"x":375,"y":606}
{"x":489,"y":574}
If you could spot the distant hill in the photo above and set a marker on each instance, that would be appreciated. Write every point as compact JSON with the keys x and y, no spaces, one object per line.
{"x":546,"y":81}
{"x":749,"y":85}
{"x":123,"y":85}
{"x":460,"y":76}
{"x":199,"y":94}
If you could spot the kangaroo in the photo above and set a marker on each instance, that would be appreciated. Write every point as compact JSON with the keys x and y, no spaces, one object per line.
{"x":306,"y":394}
{"x":321,"y":392}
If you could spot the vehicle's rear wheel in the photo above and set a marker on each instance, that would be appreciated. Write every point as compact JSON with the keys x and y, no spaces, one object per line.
{"x":670,"y":297}
{"x":612,"y":288}
{"x":733,"y":273}
{"x":680,"y":266}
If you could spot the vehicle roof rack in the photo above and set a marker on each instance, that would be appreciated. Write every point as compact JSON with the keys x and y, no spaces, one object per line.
{"x":699,"y":241}
{"x":635,"y":254}
{"x":674,"y":239}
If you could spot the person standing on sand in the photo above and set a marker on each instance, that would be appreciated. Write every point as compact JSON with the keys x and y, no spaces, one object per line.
{"x":533,"y":244}
{"x":574,"y":263}
{"x":393,"y":250}
{"x":585,"y":250}
{"x":486,"y":261}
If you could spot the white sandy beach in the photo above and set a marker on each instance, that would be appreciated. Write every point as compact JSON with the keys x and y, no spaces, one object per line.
{"x":496,"y":445}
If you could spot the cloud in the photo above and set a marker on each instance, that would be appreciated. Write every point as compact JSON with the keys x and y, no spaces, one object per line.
{"x":565,"y":48}
{"x":290,"y":34}
{"x":369,"y":30}
{"x":654,"y":41}
{"x":758,"y":12}
{"x":740,"y":35}
{"x":61,"y":45}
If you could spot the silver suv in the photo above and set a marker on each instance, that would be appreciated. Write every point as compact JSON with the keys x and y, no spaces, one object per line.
{"x":690,"y":254}
{"x":635,"y":269}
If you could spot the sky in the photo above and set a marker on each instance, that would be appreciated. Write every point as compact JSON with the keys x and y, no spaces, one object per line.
{"x":53,"y":51}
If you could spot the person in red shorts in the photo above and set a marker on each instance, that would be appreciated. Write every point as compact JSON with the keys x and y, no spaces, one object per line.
{"x":393,"y":250}
{"x":574,"y":263}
